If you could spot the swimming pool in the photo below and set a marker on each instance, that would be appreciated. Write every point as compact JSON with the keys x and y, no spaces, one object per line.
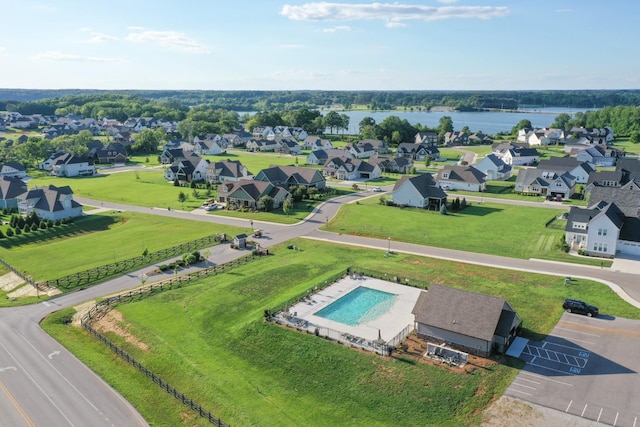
{"x":361,"y":305}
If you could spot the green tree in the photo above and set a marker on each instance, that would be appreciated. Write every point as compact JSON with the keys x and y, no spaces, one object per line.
{"x":333,"y":121}
{"x":287,"y":206}
{"x":367,"y":122}
{"x":561,"y":121}
{"x":634,"y":137}
{"x":182,"y":197}
{"x":266,"y":203}
{"x":147,"y":141}
{"x":522,"y":124}
{"x":345,"y":119}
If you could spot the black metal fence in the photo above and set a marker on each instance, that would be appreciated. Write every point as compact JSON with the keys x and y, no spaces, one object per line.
{"x":94,"y":275}
{"x":101,"y":307}
{"x":23,"y":276}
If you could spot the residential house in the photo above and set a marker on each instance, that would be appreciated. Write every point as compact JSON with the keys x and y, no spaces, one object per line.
{"x":626,"y":196}
{"x":479,"y":138}
{"x":429,"y":138}
{"x":360,"y":151}
{"x":494,"y":168}
{"x":189,"y":168}
{"x":519,"y":156}
{"x":544,"y":136}
{"x":598,"y":155}
{"x":11,"y":188}
{"x":418,"y":151}
{"x":286,"y":176}
{"x":247,"y":193}
{"x":314,"y":143}
{"x":545,"y":183}
{"x":456,"y":138}
{"x":13,"y":169}
{"x":458,"y":177}
{"x":420,"y":191}
{"x":50,"y":202}
{"x":287,"y":145}
{"x":580,"y":170}
{"x":170,"y":154}
{"x":226,"y":170}
{"x":468,"y":321}
{"x":345,"y":168}
{"x":262,"y":145}
{"x":392,"y":164}
{"x":234,"y":139}
{"x":114,"y":152}
{"x":69,"y":165}
{"x":320,"y":157}
{"x":603,"y":230}
{"x":209,"y":147}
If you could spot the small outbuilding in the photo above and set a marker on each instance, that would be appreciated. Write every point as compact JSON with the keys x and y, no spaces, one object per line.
{"x":240,"y":241}
{"x":473,"y":322}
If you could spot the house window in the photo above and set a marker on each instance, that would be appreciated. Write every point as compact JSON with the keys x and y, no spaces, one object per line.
{"x":602,"y":231}
{"x":445,"y":175}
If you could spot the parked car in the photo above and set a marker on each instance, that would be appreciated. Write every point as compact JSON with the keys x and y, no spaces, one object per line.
{"x":377,"y":189}
{"x":579,"y":307}
{"x":211,"y":207}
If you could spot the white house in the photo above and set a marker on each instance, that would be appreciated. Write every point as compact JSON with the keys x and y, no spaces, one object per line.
{"x":419,"y":191}
{"x":597,"y":231}
{"x":50,"y":202}
{"x":10,"y":189}
{"x":520,"y":156}
{"x":545,"y":183}
{"x":69,"y":165}
{"x":466,"y":178}
{"x":494,"y":167}
{"x":189,"y":168}
{"x":13,"y":169}
{"x":208,"y":147}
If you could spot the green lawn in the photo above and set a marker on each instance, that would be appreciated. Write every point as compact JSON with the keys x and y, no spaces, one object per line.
{"x":255,"y":162}
{"x":208,"y":340}
{"x":100,"y":239}
{"x":146,"y":188}
{"x":490,"y":228}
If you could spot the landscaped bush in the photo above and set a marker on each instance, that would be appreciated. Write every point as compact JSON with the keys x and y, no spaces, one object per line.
{"x":9,"y":232}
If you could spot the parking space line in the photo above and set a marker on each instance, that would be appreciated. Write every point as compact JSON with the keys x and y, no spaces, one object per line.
{"x":551,"y":369}
{"x":616,"y":420}
{"x":545,"y":378}
{"x":577,"y":332}
{"x":523,"y":392}
{"x":531,"y":381}
{"x":573,"y":339}
{"x":583,"y":410}
{"x":525,"y":386}
{"x":635,"y":419}
{"x":567,"y":410}
{"x":599,"y":415}
{"x":564,"y":345}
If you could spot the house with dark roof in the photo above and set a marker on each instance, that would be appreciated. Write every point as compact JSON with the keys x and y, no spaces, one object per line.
{"x":626,"y":197}
{"x":13,"y":169}
{"x":494,"y":167}
{"x":603,"y":230}
{"x":114,"y":152}
{"x":476,"y":323}
{"x":286,"y":176}
{"x":49,"y":202}
{"x":190,"y":167}
{"x":263,"y":145}
{"x":287,"y":145}
{"x":314,"y":143}
{"x":70,"y":165}
{"x":458,"y":177}
{"x":345,"y":168}
{"x":392,"y":164}
{"x":11,"y":188}
{"x":430,"y":138}
{"x":417,"y":151}
{"x":540,"y":182}
{"x":456,"y":138}
{"x":579,"y":169}
{"x":247,"y":193}
{"x":420,"y":191}
{"x":320,"y":157}
{"x":597,"y":155}
{"x":226,"y":170}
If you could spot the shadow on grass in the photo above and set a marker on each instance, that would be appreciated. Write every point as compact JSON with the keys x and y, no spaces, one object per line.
{"x":88,"y":224}
{"x":476,"y":210}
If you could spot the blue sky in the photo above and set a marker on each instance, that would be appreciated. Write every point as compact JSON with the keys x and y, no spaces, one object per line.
{"x":341,"y":45}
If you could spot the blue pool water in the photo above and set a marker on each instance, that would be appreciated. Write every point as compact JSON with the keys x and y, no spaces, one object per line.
{"x":361,"y":305}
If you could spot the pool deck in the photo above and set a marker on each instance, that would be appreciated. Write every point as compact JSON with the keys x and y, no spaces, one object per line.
{"x":386,"y":326}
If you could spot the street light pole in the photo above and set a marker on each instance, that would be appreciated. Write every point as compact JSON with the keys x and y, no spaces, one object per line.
{"x":389,"y":247}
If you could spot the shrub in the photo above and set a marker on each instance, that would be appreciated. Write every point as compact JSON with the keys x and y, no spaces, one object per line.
{"x":9,"y":232}
{"x":34,"y":227}
{"x":18,"y":231}
{"x":44,"y":225}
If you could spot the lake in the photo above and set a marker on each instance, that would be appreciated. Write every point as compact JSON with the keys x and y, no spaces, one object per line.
{"x":488,"y":122}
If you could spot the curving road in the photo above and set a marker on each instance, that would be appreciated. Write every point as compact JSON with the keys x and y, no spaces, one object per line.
{"x":42,"y":384}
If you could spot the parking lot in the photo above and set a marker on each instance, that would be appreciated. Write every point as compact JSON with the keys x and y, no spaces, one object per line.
{"x":587,"y":367}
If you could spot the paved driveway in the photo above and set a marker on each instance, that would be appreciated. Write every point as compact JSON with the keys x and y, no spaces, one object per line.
{"x":588,"y":367}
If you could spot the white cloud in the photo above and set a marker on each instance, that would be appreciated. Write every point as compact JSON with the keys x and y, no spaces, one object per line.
{"x":100,"y":38}
{"x":390,"y":12}
{"x":70,"y":57}
{"x":447,"y":1}
{"x":169,"y":39}
{"x":3,"y":50}
{"x":337,"y":28}
{"x":395,"y":24}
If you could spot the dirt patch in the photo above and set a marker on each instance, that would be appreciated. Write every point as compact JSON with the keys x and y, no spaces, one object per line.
{"x":112,"y":321}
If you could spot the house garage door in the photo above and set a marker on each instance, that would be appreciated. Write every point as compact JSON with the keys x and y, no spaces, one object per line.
{"x":628,"y":248}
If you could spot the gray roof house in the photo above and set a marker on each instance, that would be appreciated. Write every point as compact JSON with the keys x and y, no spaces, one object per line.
{"x":11,"y":188}
{"x":545,"y":183}
{"x":247,"y":193}
{"x":461,"y":178}
{"x":50,"y":202}
{"x":419,"y":191}
{"x":13,"y":169}
{"x":473,"y":322}
{"x":226,"y":170}
{"x":494,"y":167}
{"x":286,"y":176}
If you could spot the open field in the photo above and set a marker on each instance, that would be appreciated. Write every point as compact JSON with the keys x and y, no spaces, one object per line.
{"x":496,"y":229}
{"x":99,"y":239}
{"x":208,"y":340}
{"x":255,"y":162}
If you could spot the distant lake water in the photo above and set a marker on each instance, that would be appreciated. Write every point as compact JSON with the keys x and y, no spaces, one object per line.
{"x":488,"y":122}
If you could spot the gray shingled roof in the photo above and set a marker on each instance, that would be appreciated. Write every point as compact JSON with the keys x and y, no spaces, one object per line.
{"x":463,"y":312}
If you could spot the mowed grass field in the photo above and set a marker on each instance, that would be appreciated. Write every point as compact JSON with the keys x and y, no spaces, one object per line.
{"x":491,"y":228}
{"x":208,"y":340}
{"x":100,"y":239}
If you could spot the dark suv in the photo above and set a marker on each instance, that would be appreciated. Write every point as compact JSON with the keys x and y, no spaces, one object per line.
{"x":580,"y":307}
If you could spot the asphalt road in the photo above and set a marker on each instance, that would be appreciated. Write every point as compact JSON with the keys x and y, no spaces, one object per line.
{"x":42,"y":384}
